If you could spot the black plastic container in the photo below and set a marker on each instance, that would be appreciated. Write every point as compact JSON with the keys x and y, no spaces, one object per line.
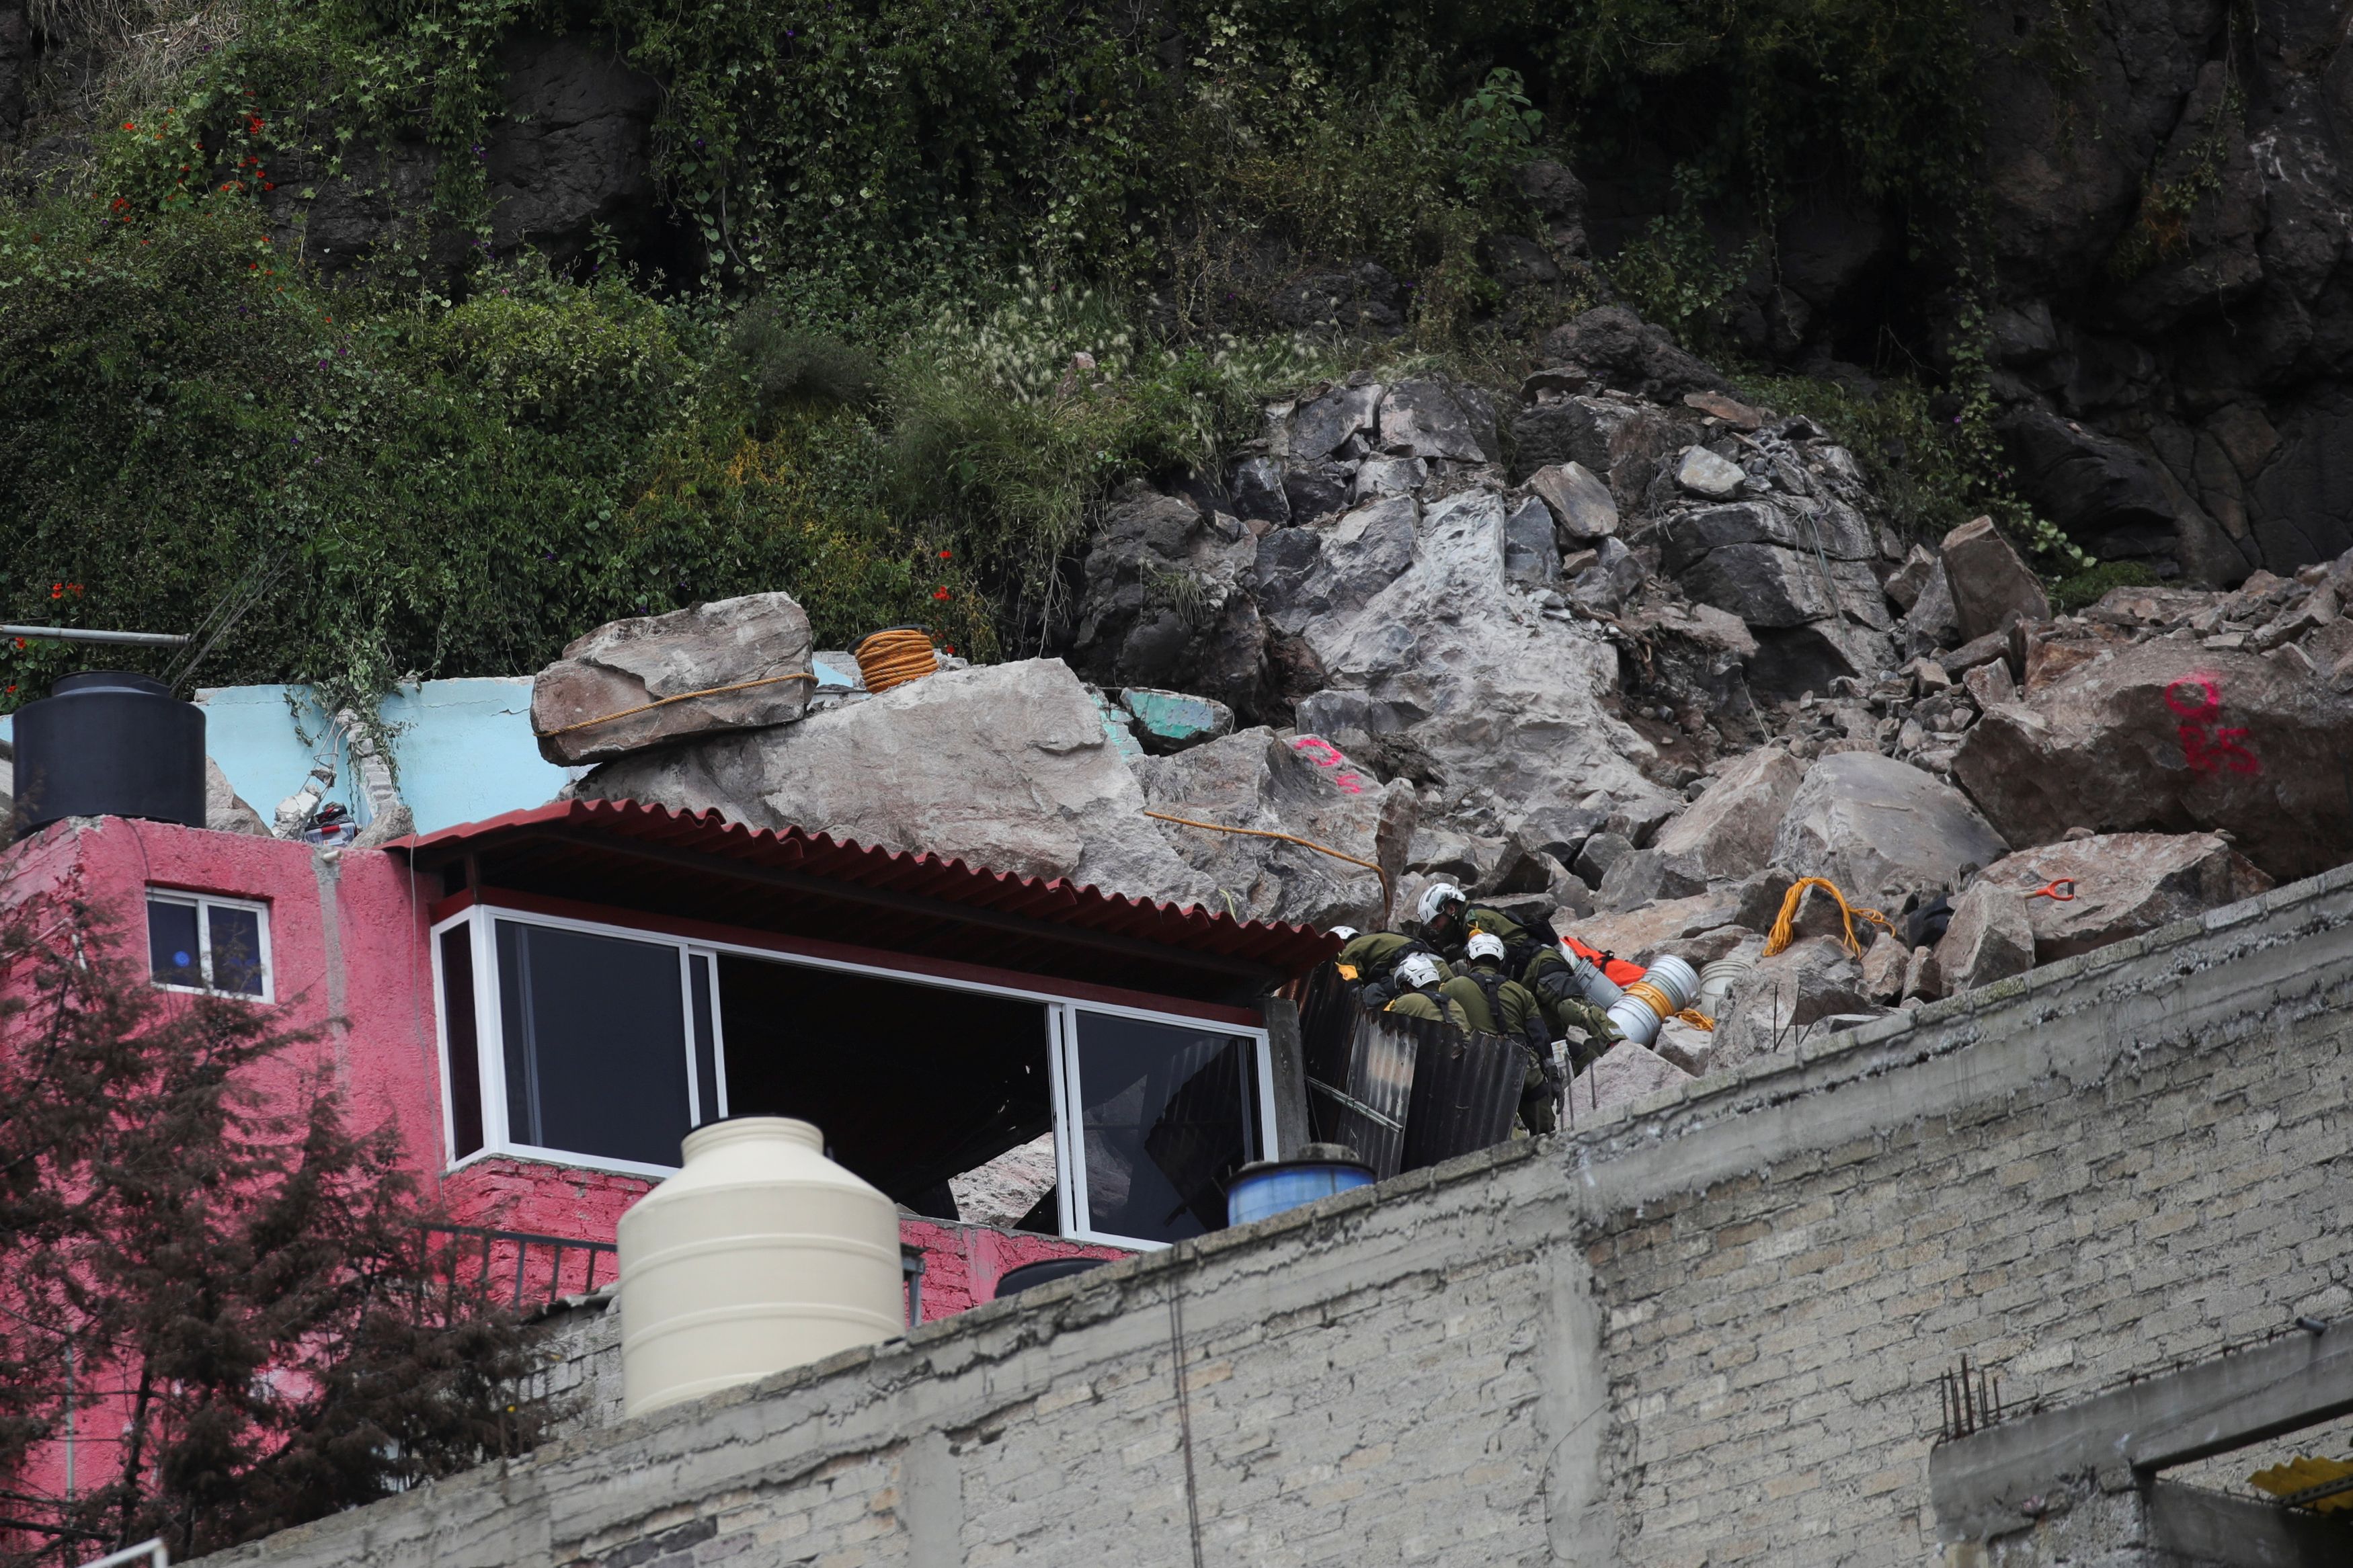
{"x":109,"y":743}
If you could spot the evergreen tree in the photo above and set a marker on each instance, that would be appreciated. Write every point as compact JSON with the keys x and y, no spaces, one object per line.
{"x":231,"y":1288}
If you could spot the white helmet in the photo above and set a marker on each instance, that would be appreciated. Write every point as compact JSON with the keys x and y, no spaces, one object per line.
{"x":1418,"y":970}
{"x":1436,"y":897}
{"x":1486,"y":944}
{"x":1346,"y":934}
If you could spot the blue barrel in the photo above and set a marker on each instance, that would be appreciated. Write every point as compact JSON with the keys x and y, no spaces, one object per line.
{"x":1271,"y":1186}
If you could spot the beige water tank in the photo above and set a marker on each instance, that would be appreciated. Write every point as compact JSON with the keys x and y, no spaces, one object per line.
{"x":759,"y":1255}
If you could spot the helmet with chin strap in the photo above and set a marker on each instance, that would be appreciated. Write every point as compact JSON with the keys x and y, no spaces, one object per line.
{"x":1484,"y":944}
{"x":1436,"y":897}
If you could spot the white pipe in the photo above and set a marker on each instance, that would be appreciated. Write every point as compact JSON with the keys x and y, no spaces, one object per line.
{"x":76,"y":634}
{"x":150,"y":1550}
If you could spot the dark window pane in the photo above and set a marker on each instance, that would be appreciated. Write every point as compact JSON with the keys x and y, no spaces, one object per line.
{"x":706,"y":1046}
{"x":465,"y":1039}
{"x":598,"y":1028}
{"x":172,"y":951}
{"x":1167,"y":1114}
{"x":237,"y":949}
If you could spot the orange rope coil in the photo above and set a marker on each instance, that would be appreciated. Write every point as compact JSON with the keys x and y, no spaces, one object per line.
{"x":1658,"y":1001}
{"x":894,"y":656}
{"x":1784,"y":928}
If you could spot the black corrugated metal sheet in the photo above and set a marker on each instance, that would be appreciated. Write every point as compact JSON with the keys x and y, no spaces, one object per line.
{"x":1466,"y":1089}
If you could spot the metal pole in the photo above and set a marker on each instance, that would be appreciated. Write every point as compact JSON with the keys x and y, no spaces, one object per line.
{"x":150,"y":1550}
{"x":69,"y":1423}
{"x":76,"y":634}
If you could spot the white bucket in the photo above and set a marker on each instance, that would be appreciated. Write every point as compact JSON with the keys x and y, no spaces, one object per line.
{"x":1635,"y":1020}
{"x":1676,"y":978}
{"x":1716,"y":984}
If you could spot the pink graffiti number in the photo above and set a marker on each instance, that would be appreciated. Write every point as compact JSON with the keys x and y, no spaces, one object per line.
{"x":1324,"y":754}
{"x":2198,"y":700}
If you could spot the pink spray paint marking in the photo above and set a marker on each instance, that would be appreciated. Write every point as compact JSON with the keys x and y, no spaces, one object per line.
{"x":1324,"y":754}
{"x":2198,"y":700}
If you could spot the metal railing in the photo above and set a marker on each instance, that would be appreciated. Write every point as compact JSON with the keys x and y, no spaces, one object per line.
{"x":526,"y":1244}
{"x":494,"y":1242}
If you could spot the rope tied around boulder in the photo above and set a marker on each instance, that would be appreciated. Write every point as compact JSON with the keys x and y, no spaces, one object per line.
{"x":809,"y":676}
{"x":1287,"y":838}
{"x":1784,"y":928}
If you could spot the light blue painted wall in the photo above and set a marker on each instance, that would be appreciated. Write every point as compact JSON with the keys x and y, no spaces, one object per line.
{"x":464,"y":748}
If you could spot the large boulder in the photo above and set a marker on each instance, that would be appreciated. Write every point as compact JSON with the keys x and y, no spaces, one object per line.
{"x":1777,"y":1005}
{"x":1729,"y":829}
{"x":1166,"y":602}
{"x":1881,"y":829}
{"x":756,"y":643}
{"x":2169,"y":736}
{"x":1303,"y":786}
{"x":1626,"y":352}
{"x":1614,"y":438}
{"x":1989,"y":938}
{"x":1625,"y":1072}
{"x":1492,"y":690}
{"x":1799,"y":570}
{"x":1988,"y":581}
{"x":1007,"y":766}
{"x":2122,"y":884}
{"x":1421,"y":419}
{"x":1310,"y":573}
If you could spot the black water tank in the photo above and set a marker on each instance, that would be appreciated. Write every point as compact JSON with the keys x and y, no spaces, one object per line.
{"x":109,"y":743}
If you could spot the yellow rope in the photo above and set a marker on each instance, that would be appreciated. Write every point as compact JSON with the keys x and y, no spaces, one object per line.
{"x":684,"y":696}
{"x":1784,"y":929}
{"x":1696,"y":1019}
{"x":1287,"y":838}
{"x":1658,"y":1001}
{"x":896,"y":656}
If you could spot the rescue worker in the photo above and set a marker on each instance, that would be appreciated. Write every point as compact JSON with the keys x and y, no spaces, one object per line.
{"x":1370,"y":959}
{"x":1498,"y":1005}
{"x":1418,"y":978}
{"x":1532,"y":956}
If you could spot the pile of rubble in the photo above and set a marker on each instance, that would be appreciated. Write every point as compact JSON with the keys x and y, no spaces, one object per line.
{"x":1616,"y":648}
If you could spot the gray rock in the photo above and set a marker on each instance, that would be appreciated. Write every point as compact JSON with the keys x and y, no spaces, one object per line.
{"x":1419,"y":419}
{"x":1306,"y":576}
{"x":1933,"y":622}
{"x":1882,"y":830}
{"x":1988,"y":581}
{"x":1581,"y":503}
{"x":1646,"y":876}
{"x":1785,"y":999}
{"x":1313,"y":489}
{"x":1256,"y":486}
{"x":2167,"y":736}
{"x":1905,"y":585}
{"x":1530,"y":554}
{"x":1702,"y":473}
{"x":1598,"y":853}
{"x":1496,"y":691}
{"x":2124,"y":884}
{"x":1623,"y":1073}
{"x":1990,"y":684}
{"x":1560,"y":831}
{"x":1728,"y":831}
{"x":1601,"y":588}
{"x":1619,"y":442}
{"x":899,"y":770}
{"x":1884,"y":965}
{"x":1989,"y":939}
{"x":629,"y":664}
{"x":1327,"y":713}
{"x":1320,"y":428}
{"x":1302,"y":787}
{"x":1628,"y":352}
{"x":1380,"y":478}
{"x":1166,"y":603}
{"x":225,"y":811}
{"x":1519,"y":262}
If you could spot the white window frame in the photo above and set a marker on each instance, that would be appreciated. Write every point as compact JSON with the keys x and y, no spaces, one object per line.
{"x":1073,"y":1212}
{"x":1061,"y":1041}
{"x":204,"y":904}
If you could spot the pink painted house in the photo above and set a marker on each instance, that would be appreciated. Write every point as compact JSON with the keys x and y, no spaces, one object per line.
{"x":546,"y":1002}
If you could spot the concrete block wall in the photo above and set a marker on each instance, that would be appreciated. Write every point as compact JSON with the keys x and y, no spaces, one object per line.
{"x":1698,"y":1329}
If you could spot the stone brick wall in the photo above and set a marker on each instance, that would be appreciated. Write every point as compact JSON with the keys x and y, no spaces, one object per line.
{"x":1699,"y":1330}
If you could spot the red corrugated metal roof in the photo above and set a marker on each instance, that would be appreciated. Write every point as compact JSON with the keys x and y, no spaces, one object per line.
{"x":1287,"y":950}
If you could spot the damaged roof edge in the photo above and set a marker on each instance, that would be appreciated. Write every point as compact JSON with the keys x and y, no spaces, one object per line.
{"x":783,"y":856}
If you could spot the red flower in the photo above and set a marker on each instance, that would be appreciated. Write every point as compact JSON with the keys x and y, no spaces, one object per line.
{"x":944,"y":556}
{"x":939,"y":593}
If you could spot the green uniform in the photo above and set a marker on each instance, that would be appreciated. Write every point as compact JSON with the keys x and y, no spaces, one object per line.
{"x":1498,"y":1005}
{"x":1374,"y":953}
{"x":1432,"y":1006}
{"x":1545,"y":970}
